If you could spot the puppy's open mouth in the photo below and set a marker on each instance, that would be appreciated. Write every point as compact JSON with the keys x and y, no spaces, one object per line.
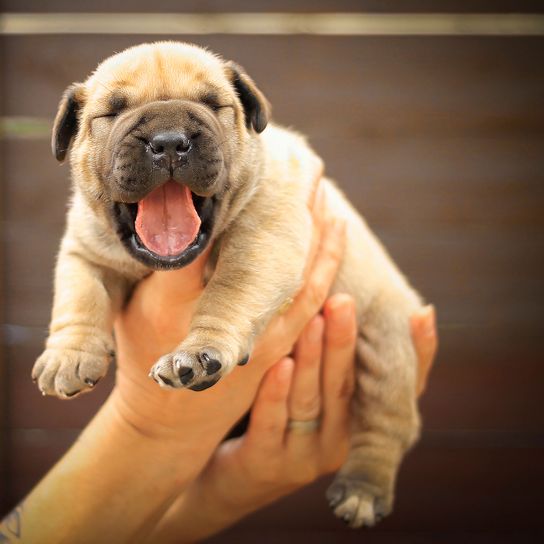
{"x":168,"y":228}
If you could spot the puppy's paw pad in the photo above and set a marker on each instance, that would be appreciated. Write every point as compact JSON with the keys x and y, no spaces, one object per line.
{"x":357,"y":503}
{"x":244,"y":360}
{"x":210,"y":359}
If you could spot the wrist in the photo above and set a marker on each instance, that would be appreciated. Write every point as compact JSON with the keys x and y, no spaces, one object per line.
{"x":201,"y":511}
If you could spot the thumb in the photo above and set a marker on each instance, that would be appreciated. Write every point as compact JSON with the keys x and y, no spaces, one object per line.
{"x":174,"y":287}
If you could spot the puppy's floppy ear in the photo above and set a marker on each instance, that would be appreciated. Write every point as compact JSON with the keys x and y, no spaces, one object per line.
{"x":66,"y":120}
{"x":256,"y":106}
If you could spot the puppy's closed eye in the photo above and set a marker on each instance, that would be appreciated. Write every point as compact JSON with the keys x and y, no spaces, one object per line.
{"x":109,"y":115}
{"x":212,"y":101}
{"x":115,"y":105}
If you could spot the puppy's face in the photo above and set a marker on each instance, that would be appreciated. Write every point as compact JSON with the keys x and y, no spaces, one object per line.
{"x":162,"y":137}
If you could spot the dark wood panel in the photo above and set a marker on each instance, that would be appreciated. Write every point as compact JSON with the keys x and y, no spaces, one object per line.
{"x":491,"y":392}
{"x":477,"y":237}
{"x":375,"y":536}
{"x":450,"y":272}
{"x":29,"y":409}
{"x":205,"y":6}
{"x":4,"y":398}
{"x":32,"y":454}
{"x":438,"y":487}
{"x":439,"y":142}
{"x":485,"y":489}
{"x":354,"y":86}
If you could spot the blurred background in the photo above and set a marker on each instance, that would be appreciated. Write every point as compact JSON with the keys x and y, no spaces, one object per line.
{"x":433,"y":125}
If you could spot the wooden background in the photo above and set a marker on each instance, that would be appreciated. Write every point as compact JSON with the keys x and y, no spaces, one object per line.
{"x":439,"y":141}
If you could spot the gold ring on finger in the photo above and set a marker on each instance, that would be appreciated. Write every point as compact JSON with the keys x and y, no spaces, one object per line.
{"x":299,"y":426}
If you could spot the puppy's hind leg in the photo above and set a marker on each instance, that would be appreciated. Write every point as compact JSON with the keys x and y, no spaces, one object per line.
{"x":385,"y":422}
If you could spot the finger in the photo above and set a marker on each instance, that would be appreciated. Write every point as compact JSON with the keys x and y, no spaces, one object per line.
{"x":178,"y":286}
{"x":320,"y":219}
{"x":324,"y":269}
{"x":338,"y":377}
{"x":423,"y":328}
{"x":317,"y":175}
{"x":304,"y":396}
{"x":165,"y":298}
{"x":268,"y":419}
{"x":320,"y":222}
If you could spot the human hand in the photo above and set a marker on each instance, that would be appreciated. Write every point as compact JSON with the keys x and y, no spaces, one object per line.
{"x":314,"y":390}
{"x":425,"y":339}
{"x":157,"y":318}
{"x":272,"y":460}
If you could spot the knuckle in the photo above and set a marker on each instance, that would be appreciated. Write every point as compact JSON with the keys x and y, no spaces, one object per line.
{"x":316,"y":294}
{"x":285,"y":348}
{"x":307,"y":407}
{"x":333,"y":251}
{"x":339,"y":337}
{"x":269,"y":428}
{"x":346,"y":388}
{"x":342,"y":387}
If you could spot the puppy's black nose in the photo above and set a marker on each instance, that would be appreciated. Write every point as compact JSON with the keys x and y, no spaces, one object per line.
{"x":174,"y":144}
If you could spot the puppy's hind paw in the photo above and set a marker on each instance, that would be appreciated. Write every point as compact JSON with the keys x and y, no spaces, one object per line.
{"x":358,"y":503}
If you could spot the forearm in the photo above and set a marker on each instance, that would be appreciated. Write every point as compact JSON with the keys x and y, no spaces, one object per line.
{"x":208,"y":506}
{"x":111,"y":486}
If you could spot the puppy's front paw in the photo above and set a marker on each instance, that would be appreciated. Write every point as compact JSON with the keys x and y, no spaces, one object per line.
{"x":358,"y":502}
{"x":194,"y":369}
{"x":68,"y":372}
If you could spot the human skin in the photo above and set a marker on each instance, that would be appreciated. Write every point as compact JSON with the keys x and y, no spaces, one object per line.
{"x":148,"y":465}
{"x":270,"y":461}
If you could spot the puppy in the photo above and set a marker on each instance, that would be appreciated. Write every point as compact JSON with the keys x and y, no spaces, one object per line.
{"x":169,"y":155}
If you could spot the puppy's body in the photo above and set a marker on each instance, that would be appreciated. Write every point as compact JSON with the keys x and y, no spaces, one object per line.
{"x":250,"y":191}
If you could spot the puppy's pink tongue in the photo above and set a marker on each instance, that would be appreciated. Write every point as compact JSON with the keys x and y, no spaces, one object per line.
{"x":167,"y":221}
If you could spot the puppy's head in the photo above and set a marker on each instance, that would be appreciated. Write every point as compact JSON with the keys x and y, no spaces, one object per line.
{"x":162,"y":136}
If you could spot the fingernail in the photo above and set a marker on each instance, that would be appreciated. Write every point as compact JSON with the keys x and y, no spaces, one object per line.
{"x":320,"y":196}
{"x":429,"y":326}
{"x":285,"y":369}
{"x":338,"y":225}
{"x":341,"y":309}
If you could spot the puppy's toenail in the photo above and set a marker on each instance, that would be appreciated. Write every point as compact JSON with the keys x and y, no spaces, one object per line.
{"x":211,"y":366}
{"x":72,"y":394}
{"x":185,"y":374}
{"x":91,"y":383}
{"x":166,"y":380}
{"x":244,"y":361}
{"x":335,"y":494}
